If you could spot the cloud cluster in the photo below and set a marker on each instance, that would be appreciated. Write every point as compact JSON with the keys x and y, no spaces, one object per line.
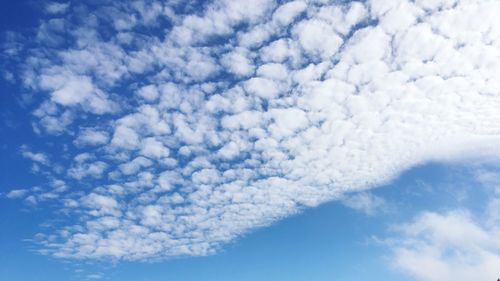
{"x":188,"y":129}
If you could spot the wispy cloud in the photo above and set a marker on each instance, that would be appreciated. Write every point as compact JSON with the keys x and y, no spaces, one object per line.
{"x":366,"y":203}
{"x":16,"y":193}
{"x":36,"y":157}
{"x":449,"y":246}
{"x":457,"y":244}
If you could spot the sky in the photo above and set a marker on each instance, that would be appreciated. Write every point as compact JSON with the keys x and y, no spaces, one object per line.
{"x":250,"y":140}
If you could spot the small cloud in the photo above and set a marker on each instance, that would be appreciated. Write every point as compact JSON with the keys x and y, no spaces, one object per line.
{"x":92,"y":137}
{"x":366,"y":203}
{"x":450,"y":246}
{"x":56,"y":8}
{"x":95,"y":276}
{"x":37,"y":157}
{"x":31,"y":200}
{"x":16,"y":193}
{"x":490,"y":179}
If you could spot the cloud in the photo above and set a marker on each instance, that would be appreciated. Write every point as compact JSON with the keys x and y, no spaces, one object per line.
{"x":69,"y":90}
{"x":238,"y":63}
{"x":82,"y":169}
{"x":457,"y":244}
{"x":16,"y":193}
{"x":89,"y":136}
{"x":94,"y":276}
{"x":287,"y":12}
{"x":366,"y":203}
{"x":56,"y":8}
{"x":449,"y":246}
{"x":36,"y":157}
{"x":191,"y":129}
{"x":100,"y":204}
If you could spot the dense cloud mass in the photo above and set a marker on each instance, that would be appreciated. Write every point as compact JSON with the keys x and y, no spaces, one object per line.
{"x":185,"y":130}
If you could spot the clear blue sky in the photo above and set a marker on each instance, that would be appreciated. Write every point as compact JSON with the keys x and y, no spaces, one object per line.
{"x":249,"y":140}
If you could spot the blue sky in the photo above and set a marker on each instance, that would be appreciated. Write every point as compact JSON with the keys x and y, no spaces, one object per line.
{"x":250,"y":140}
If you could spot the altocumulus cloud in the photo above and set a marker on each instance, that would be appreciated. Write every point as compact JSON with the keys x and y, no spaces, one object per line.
{"x":188,"y":129}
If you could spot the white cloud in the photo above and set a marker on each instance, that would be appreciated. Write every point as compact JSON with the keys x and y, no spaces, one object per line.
{"x":287,"y":122}
{"x":317,"y":38}
{"x":68,"y":91}
{"x":220,"y":19}
{"x":325,"y":99}
{"x":446,"y":247}
{"x":135,"y":165}
{"x":458,"y":244}
{"x":149,"y":93}
{"x":280,"y":50}
{"x":125,"y":137}
{"x":94,"y":276}
{"x":89,"y":136}
{"x":84,"y":165}
{"x":237,"y":62}
{"x":36,"y":157}
{"x":274,"y":71}
{"x":262,"y":87}
{"x":99,"y":205}
{"x":56,"y":8}
{"x":150,"y":147}
{"x":16,"y":193}
{"x":286,"y":13}
{"x":365,"y":202}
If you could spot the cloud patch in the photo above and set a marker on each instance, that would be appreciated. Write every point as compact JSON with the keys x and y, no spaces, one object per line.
{"x":449,"y":246}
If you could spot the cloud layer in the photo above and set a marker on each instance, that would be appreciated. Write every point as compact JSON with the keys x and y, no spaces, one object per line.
{"x":186,"y":129}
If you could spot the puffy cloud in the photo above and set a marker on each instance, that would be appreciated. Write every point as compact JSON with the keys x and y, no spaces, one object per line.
{"x":125,"y":137}
{"x":262,"y":87}
{"x":287,"y":12}
{"x":220,"y":19}
{"x":237,"y":62}
{"x":37,"y":157}
{"x":273,"y":71}
{"x":280,"y":51}
{"x":135,"y":165}
{"x":56,"y":8}
{"x":85,"y":165}
{"x":149,"y":93}
{"x":88,"y":136}
{"x":100,"y":204}
{"x":247,"y":112}
{"x":75,"y":90}
{"x":152,"y":148}
{"x":317,"y":38}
